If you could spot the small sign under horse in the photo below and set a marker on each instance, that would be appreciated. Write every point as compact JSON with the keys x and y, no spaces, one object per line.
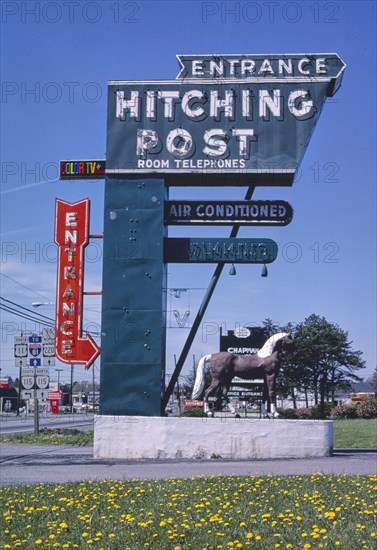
{"x":225,"y":366}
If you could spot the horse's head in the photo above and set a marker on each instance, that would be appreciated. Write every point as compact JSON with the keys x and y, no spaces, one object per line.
{"x":287,"y":343}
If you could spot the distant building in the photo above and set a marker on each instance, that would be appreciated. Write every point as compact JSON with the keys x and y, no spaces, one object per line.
{"x":8,"y":399}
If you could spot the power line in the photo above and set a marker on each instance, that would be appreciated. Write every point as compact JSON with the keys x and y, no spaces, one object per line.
{"x":24,"y":316}
{"x":24,"y":286}
{"x":45,"y":298}
{"x":13,"y":311}
{"x":37,"y":314}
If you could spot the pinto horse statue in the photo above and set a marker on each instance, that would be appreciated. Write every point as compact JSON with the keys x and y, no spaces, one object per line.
{"x":225,"y":366}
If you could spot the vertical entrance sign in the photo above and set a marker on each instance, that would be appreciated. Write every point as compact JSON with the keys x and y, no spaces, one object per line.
{"x":71,"y":236}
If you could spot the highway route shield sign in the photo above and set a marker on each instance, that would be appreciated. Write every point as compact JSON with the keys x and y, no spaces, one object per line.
{"x":27,"y":382}
{"x":42,"y":378}
{"x":48,"y":349}
{"x":20,"y":350}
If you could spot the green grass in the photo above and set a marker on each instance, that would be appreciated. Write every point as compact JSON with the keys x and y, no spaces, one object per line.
{"x":355,"y":433}
{"x":264,"y":513}
{"x":57,"y":436}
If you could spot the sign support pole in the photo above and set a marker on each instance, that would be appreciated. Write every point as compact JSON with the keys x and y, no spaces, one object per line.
{"x":199,"y":317}
{"x":36,"y":405}
{"x":36,"y":417}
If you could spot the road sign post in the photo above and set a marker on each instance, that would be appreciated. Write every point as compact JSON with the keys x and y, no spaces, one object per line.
{"x":36,"y":416}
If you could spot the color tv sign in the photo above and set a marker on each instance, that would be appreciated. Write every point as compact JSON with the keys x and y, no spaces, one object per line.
{"x":71,"y":236}
{"x":227,"y":119}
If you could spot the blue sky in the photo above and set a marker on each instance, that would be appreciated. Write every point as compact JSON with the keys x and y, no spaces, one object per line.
{"x":56,"y":61}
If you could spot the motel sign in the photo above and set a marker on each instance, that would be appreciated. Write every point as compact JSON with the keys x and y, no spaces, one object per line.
{"x":231,"y":120}
{"x":226,"y":120}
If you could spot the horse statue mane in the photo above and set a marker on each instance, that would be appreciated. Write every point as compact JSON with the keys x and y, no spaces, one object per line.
{"x":270,"y":344}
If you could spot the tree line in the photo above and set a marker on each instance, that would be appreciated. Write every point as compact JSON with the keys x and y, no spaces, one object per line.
{"x":325,"y":362}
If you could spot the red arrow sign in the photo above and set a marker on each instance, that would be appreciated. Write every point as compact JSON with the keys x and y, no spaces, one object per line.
{"x":71,"y":236}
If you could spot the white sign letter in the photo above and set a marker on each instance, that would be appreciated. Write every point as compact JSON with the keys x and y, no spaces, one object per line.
{"x":131,"y":104}
{"x":184,"y":142}
{"x":213,"y":139}
{"x":146,"y":141}
{"x":304,"y":106}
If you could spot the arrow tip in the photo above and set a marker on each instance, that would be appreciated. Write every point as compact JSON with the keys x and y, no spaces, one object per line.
{"x":95,"y":351}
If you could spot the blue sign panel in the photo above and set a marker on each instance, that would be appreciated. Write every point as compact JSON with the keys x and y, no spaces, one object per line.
{"x":200,"y":250}
{"x":316,"y":66}
{"x":35,"y":339}
{"x":34,"y":362}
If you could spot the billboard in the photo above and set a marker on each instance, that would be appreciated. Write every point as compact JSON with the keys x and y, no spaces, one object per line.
{"x":243,"y":341}
{"x":225,"y":120}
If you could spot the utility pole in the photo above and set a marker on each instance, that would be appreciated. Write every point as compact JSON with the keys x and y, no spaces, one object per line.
{"x":58,"y":371}
{"x":71,"y":392}
{"x":94,"y":365}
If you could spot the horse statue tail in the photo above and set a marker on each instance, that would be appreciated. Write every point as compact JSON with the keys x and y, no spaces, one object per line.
{"x":200,"y":378}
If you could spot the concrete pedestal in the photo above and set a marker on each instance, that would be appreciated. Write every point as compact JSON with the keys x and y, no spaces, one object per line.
{"x":140,"y":437}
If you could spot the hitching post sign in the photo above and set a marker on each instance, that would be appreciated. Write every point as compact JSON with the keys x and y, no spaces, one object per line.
{"x":226,"y":119}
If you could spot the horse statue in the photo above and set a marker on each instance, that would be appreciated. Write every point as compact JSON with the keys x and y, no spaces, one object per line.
{"x":225,"y":366}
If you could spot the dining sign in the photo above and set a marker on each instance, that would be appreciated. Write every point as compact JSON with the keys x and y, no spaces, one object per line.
{"x":225,"y":120}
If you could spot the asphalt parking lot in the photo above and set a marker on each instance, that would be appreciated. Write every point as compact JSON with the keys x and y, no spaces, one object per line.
{"x":33,"y":464}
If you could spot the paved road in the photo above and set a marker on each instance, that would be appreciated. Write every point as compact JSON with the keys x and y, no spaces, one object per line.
{"x":18,"y":424}
{"x":22,"y":464}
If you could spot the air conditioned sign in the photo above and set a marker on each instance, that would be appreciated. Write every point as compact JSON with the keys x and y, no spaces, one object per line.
{"x":226,"y":119}
{"x":227,"y":212}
